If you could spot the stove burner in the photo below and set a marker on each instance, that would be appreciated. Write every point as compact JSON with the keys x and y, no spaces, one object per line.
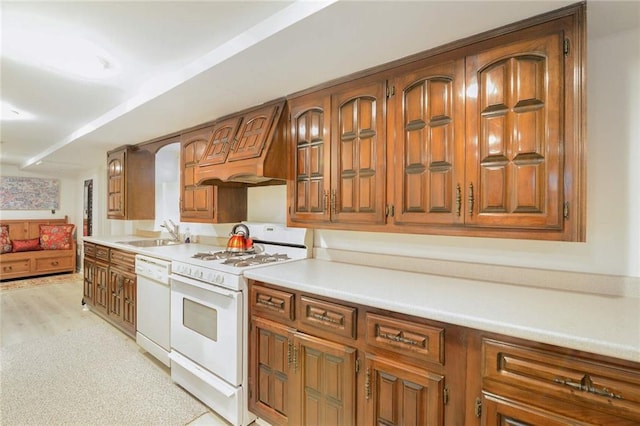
{"x":247,"y":258}
{"x":221,"y":255}
{"x":257,"y":259}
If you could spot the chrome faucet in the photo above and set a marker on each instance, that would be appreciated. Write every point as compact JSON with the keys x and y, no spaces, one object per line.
{"x":173,"y":229}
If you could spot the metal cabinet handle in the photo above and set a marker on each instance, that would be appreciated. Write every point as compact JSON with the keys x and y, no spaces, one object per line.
{"x":325,"y":318}
{"x":398,"y":338}
{"x":458,"y":200}
{"x":367,"y":384}
{"x":269,"y":303}
{"x":333,"y":201}
{"x":586,"y":385}
{"x":471,"y":199}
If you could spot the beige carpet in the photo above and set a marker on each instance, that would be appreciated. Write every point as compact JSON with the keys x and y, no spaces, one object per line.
{"x":40,"y":281}
{"x":86,"y":374}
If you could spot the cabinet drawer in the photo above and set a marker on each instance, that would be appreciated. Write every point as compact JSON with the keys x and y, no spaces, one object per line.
{"x":90,"y":250}
{"x":405,"y":337}
{"x":102,"y":253}
{"x":577,"y":380}
{"x":271,"y":302}
{"x":337,"y":319}
{"x":123,"y":259}
{"x":54,"y":263}
{"x":17,"y":267}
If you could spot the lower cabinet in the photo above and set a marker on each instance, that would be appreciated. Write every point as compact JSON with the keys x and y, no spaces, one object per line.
{"x":270,"y":361}
{"x":501,"y":411}
{"x":529,"y":383}
{"x":320,"y":361}
{"x":315,"y":361}
{"x":110,"y":285}
{"x":324,"y":382}
{"x":122,"y":299}
{"x":100,"y":288}
{"x":398,"y":394}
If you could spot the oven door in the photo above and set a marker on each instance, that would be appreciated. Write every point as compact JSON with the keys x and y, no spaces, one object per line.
{"x":206,"y":326}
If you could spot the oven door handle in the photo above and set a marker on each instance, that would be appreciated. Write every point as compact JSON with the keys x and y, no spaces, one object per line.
{"x":208,"y":287}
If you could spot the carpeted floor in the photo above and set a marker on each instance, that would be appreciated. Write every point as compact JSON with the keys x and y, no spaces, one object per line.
{"x":41,"y":281}
{"x":87,"y":374}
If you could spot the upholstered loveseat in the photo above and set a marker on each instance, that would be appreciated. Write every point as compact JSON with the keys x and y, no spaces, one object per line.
{"x":32,"y":247}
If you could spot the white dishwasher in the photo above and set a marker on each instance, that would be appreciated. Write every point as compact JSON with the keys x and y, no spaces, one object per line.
{"x":153,"y":306}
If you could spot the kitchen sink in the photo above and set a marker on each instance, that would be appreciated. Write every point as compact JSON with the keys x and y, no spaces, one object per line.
{"x":158,"y":242}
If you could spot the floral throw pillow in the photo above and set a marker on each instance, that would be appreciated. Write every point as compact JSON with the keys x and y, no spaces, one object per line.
{"x":26,"y":245}
{"x":56,"y":237}
{"x":5,"y":241}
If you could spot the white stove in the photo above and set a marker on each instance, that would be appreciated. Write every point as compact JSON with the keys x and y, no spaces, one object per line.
{"x":209,"y":316}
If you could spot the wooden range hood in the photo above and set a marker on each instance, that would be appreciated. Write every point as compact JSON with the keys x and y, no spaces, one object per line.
{"x":247,"y":147}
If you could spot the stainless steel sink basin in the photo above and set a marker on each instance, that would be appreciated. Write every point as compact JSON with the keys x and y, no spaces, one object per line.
{"x":158,"y":242}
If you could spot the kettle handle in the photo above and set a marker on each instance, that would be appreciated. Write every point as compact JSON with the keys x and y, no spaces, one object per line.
{"x":244,"y":228}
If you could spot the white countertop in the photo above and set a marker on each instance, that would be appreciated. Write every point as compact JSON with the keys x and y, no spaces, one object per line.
{"x":169,"y":252}
{"x":601,"y":324}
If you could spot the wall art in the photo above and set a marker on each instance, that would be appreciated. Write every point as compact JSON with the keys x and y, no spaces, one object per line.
{"x":29,"y":193}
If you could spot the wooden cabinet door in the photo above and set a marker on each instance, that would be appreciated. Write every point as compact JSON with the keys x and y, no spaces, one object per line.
{"x":270,"y":358}
{"x":325,"y":382}
{"x":129,"y":291}
{"x":115,"y":287}
{"x":515,"y":111}
{"x":429,"y":147}
{"x":221,"y":139}
{"x":116,"y":184}
{"x":89,"y":272}
{"x":252,"y":134}
{"x":498,"y":411}
{"x":101,"y":290}
{"x":122,"y":299}
{"x":358,"y":157}
{"x":311,"y":162}
{"x":196,"y":200}
{"x":398,"y":394}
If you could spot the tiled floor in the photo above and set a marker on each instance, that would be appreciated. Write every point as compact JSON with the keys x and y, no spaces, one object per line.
{"x":39,"y":309}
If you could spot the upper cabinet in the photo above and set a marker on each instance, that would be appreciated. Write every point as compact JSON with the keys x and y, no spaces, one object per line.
{"x":247,"y":147}
{"x":130,"y":184}
{"x":482,"y":138}
{"x":338,"y":166}
{"x":206,"y":203}
{"x":310,"y":185}
{"x":516,"y":103}
{"x":429,"y":144}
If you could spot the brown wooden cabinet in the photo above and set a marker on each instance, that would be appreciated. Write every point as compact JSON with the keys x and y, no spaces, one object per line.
{"x":318,"y":360}
{"x":110,"y":285}
{"x":310,"y":141}
{"x":515,"y":132}
{"x":269,"y":370}
{"x":429,"y":144}
{"x":207,"y":203}
{"x":324,"y":379}
{"x":247,"y":147}
{"x":484,"y":137}
{"x":130,"y":184}
{"x":338,"y":140}
{"x":122,"y":290}
{"x":529,"y":382}
{"x":400,"y":394}
{"x":314,"y":360}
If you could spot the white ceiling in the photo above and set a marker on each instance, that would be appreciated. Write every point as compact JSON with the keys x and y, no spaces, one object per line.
{"x":185,"y":63}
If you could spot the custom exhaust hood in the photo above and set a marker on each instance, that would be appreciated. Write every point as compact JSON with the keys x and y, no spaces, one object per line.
{"x":248,"y":147}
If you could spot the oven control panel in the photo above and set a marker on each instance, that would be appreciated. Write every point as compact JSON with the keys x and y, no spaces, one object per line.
{"x":198,"y":273}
